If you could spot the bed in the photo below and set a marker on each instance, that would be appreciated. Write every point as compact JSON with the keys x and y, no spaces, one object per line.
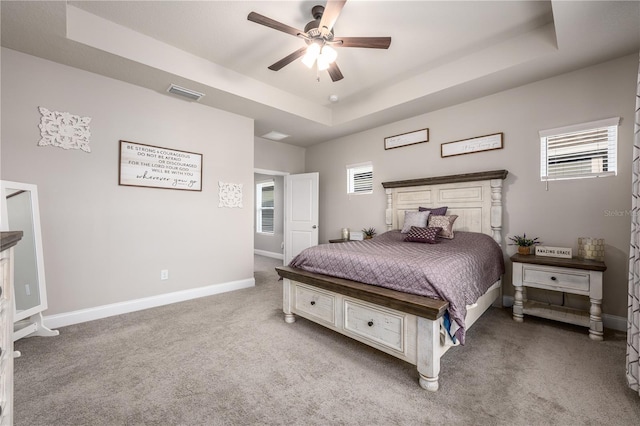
{"x":408,"y":326}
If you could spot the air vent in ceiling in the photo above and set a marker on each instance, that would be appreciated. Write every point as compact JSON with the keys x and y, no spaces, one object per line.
{"x":186,"y":93}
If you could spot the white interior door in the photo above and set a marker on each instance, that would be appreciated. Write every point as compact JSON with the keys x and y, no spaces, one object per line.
{"x":300,"y":214}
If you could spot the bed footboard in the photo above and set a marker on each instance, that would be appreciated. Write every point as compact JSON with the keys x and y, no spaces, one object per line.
{"x":405,"y":326}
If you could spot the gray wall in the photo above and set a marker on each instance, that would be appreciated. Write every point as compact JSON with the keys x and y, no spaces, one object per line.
{"x":104,"y":243}
{"x":278,"y":156}
{"x":266,"y":242}
{"x":568,"y":210}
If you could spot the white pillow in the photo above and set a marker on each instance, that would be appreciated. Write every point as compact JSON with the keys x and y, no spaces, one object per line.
{"x":418,"y":219}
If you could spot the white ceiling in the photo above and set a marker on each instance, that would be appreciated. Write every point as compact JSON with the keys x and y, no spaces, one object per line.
{"x":442,"y":52}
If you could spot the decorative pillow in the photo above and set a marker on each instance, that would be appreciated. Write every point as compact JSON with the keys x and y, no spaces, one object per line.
{"x":423,"y":235}
{"x":444,"y":222}
{"x":412,"y":218}
{"x":438,"y":211}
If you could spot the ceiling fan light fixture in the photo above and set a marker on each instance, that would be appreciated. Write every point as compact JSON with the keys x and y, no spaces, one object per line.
{"x":322,"y":64}
{"x":317,"y":35}
{"x":313,"y":51}
{"x":328,"y":55}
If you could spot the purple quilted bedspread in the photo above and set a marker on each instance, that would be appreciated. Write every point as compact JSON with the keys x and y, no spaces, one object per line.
{"x":458,"y":270}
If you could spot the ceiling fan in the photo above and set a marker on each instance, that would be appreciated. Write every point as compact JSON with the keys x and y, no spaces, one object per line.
{"x":320,"y":40}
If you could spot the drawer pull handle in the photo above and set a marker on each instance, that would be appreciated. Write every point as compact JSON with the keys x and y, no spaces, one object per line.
{"x":553,"y":278}
{"x":313,"y":302}
{"x":370,"y":323}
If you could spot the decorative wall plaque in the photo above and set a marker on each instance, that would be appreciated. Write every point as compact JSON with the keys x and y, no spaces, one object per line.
{"x":230,"y":194}
{"x":156,"y":167}
{"x":471,"y":145}
{"x":64,"y":130}
{"x":410,"y":138}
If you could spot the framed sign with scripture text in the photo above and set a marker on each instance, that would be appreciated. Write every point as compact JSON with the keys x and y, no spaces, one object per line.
{"x":156,"y":167}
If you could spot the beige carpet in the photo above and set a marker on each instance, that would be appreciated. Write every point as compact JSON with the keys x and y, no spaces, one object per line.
{"x":230,"y":359}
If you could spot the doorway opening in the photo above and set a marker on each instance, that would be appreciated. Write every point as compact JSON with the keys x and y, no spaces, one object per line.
{"x":268,"y":219}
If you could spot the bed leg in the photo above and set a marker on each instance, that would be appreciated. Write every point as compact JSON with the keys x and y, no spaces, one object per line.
{"x":429,"y":384}
{"x":428,"y":361}
{"x":287,"y":301}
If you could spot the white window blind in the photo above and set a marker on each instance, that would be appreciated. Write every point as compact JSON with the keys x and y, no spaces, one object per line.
{"x":360,"y":178}
{"x":579,"y":151}
{"x":265,"y":204}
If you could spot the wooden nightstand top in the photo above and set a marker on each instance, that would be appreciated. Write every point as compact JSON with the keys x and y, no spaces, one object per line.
{"x":574,"y":262}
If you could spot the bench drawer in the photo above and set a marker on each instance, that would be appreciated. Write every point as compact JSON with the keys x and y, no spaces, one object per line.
{"x":382,"y":326}
{"x":316,"y":303}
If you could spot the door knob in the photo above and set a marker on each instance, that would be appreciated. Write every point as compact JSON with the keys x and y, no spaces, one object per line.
{"x":314,"y":226}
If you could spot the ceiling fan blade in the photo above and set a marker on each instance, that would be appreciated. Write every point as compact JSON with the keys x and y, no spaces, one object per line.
{"x":334,"y":72}
{"x":330,"y":15}
{"x":367,"y":42}
{"x":288,"y":59}
{"x":268,"y":22}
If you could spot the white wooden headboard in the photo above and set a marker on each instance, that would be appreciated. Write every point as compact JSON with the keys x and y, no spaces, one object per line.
{"x":475,"y":197}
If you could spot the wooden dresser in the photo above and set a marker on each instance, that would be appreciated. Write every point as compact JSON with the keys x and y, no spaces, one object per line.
{"x":7,"y":241}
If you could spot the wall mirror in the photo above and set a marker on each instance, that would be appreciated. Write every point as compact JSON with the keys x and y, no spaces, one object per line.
{"x":20,"y":212}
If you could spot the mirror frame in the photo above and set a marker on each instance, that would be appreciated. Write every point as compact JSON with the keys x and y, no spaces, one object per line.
{"x":37,"y":235}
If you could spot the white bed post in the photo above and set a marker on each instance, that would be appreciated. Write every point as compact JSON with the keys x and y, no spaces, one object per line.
{"x":496,"y":210}
{"x":428,"y":356}
{"x":389,"y":211}
{"x":496,"y":223}
{"x":287,"y":300}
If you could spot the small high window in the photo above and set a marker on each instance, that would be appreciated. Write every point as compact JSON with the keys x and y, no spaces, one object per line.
{"x":360,"y":178}
{"x":579,"y":151}
{"x":265,"y":207}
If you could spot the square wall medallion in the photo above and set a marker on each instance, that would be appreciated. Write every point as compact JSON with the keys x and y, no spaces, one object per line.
{"x":230,"y":194}
{"x":64,"y":130}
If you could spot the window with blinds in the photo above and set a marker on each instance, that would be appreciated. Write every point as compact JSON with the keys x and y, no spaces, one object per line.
{"x":579,"y":151}
{"x":265,"y":204}
{"x":360,"y":178}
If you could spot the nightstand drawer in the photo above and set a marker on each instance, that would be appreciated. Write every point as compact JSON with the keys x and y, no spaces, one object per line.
{"x":555,"y":279}
{"x":381,"y":326}
{"x":316,"y":303}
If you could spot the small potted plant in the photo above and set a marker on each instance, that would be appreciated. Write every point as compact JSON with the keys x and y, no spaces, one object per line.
{"x":369,"y":233}
{"x":524,"y":244}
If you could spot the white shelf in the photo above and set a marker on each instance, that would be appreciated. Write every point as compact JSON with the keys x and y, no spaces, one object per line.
{"x":555,"y":312}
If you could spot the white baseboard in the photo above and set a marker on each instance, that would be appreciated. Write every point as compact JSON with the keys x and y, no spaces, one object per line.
{"x":90,"y":314}
{"x":269,"y":254}
{"x":609,"y":321}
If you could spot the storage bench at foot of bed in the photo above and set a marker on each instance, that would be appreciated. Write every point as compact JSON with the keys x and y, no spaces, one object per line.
{"x":400,"y":333}
{"x":403,"y":325}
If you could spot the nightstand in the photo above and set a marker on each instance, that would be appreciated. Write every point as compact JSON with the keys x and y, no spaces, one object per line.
{"x":339,"y":240}
{"x":574,"y":276}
